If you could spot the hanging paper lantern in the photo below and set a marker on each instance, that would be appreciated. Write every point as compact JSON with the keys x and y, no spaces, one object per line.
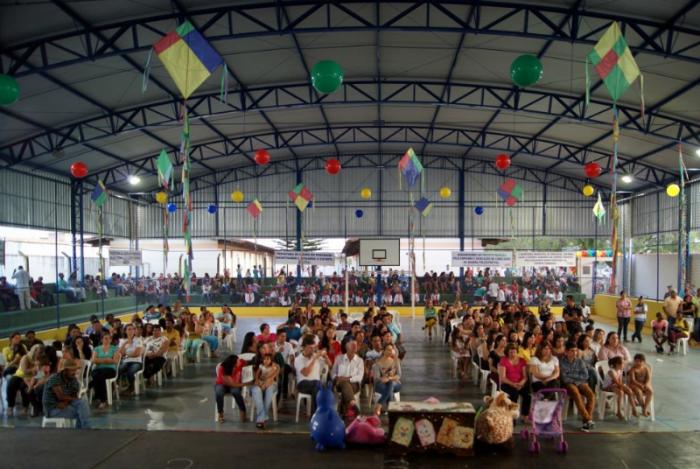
{"x":332,"y":166}
{"x":359,"y":213}
{"x":211,"y":209}
{"x":503,"y":161}
{"x":591,"y":253}
{"x":583,"y":253}
{"x":588,"y":190}
{"x":479,"y":210}
{"x":366,"y":193}
{"x":608,"y":253}
{"x":161,"y":197}
{"x":592,"y":169}
{"x":445,"y":192}
{"x":172,"y":207}
{"x":237,"y":196}
{"x":672,"y":190}
{"x":579,"y":254}
{"x":326,"y":76}
{"x":526,"y":70}
{"x":79,"y":170}
{"x":9,"y":90}
{"x":262,"y":157}
{"x":601,"y":253}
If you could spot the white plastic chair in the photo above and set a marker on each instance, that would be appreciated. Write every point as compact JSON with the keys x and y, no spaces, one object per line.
{"x":58,"y":422}
{"x":683,"y":345}
{"x":203,"y":347}
{"x":484,"y":374}
{"x":229,"y":342}
{"x":112,"y":383}
{"x":274,"y":408}
{"x":339,"y":335}
{"x":301,"y":397}
{"x":139,"y":380}
{"x":84,"y":378}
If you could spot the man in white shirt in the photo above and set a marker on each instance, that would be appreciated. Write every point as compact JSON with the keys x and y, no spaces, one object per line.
{"x":308,"y":369}
{"x":286,"y":350}
{"x":493,"y":290}
{"x":21,"y":278}
{"x":347,"y":374}
{"x":156,"y":348}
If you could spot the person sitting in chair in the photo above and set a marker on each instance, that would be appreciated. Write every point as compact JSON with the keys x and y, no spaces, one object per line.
{"x":347,"y":374}
{"x":60,"y":399}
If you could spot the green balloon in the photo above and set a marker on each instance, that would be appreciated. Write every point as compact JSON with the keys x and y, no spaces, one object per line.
{"x":526,"y":70}
{"x":9,"y":90}
{"x":326,"y":76}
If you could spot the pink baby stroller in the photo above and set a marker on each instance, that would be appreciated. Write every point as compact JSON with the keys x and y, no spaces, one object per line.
{"x":546,"y":419}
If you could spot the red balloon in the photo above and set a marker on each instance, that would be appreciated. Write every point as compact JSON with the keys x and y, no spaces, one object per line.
{"x":79,"y":170}
{"x":262,"y":157}
{"x":592,"y":169}
{"x":332,"y":166}
{"x":503,"y":161}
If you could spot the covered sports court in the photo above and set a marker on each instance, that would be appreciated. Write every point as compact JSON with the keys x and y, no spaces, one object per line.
{"x":202,"y":199}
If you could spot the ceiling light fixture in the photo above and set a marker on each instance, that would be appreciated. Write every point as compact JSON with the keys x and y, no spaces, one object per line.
{"x":697,"y":152}
{"x":134,"y":179}
{"x":627,"y":178}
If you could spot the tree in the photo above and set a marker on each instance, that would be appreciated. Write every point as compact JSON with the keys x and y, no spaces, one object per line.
{"x":307,"y":245}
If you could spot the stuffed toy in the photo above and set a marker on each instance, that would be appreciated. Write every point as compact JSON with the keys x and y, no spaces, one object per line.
{"x":327,"y":428}
{"x":494,"y":422}
{"x":365,"y":431}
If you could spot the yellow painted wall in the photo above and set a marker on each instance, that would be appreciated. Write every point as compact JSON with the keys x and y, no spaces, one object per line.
{"x":604,"y":306}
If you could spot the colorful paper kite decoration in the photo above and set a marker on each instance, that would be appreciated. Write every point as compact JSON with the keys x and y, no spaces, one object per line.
{"x":511,"y":192}
{"x":165,"y":169}
{"x":254,"y":208}
{"x":424,"y":206}
{"x":188,"y":58}
{"x":614,"y":63}
{"x":410,"y":167}
{"x":301,"y":196}
{"x":99,"y":194}
{"x":599,"y":210}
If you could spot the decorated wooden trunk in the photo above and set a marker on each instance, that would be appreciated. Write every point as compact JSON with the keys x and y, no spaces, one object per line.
{"x":446,"y":427}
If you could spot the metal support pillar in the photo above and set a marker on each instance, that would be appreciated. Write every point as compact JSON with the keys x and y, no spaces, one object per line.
{"x":460,"y":219}
{"x":299,"y":222}
{"x":380,"y":211}
{"x":544,"y":209}
{"x":76,"y":227}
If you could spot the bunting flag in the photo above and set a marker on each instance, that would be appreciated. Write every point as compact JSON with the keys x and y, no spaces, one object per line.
{"x":99,"y":194}
{"x":599,"y":209}
{"x":188,"y":58}
{"x":301,"y":196}
{"x":424,"y":206}
{"x":187,"y":209}
{"x":165,"y":169}
{"x":613,"y":61}
{"x":410,"y":167}
{"x":511,"y":192}
{"x":99,"y":197}
{"x":254,"y":208}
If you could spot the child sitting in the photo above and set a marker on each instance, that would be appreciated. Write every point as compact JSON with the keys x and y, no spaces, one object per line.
{"x":613,"y":383}
{"x":640,"y":382}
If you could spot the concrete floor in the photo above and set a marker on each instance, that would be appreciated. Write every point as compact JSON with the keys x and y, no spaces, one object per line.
{"x":187,"y":402}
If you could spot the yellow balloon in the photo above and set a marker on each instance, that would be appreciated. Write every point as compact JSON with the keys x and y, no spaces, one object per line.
{"x":161,"y":197}
{"x":237,"y":196}
{"x":445,"y":192}
{"x":366,"y":193}
{"x":588,"y":190}
{"x":673,"y":190}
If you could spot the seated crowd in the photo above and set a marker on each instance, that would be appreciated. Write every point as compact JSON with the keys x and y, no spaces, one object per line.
{"x":529,"y":286}
{"x":521,"y":352}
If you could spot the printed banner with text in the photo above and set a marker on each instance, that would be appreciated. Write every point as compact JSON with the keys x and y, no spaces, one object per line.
{"x":124,"y":257}
{"x":307,"y":258}
{"x":500,"y":259}
{"x":545,"y":259}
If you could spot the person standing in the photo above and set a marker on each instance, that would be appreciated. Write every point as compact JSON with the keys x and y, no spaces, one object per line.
{"x":671,"y":304}
{"x":624,"y":312}
{"x":640,"y":317}
{"x":21,"y":278}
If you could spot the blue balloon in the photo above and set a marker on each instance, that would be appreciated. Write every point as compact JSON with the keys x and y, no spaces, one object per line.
{"x":172,"y":207}
{"x":359,"y":213}
{"x":327,"y":428}
{"x":211,"y":209}
{"x":591,"y":252}
{"x":608,"y":252}
{"x":479,"y":210}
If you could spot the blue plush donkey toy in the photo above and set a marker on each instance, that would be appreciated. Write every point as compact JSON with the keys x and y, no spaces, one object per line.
{"x":327,"y":428}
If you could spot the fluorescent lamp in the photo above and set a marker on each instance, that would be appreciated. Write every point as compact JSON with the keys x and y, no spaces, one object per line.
{"x":627,"y":178}
{"x":134,"y":179}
